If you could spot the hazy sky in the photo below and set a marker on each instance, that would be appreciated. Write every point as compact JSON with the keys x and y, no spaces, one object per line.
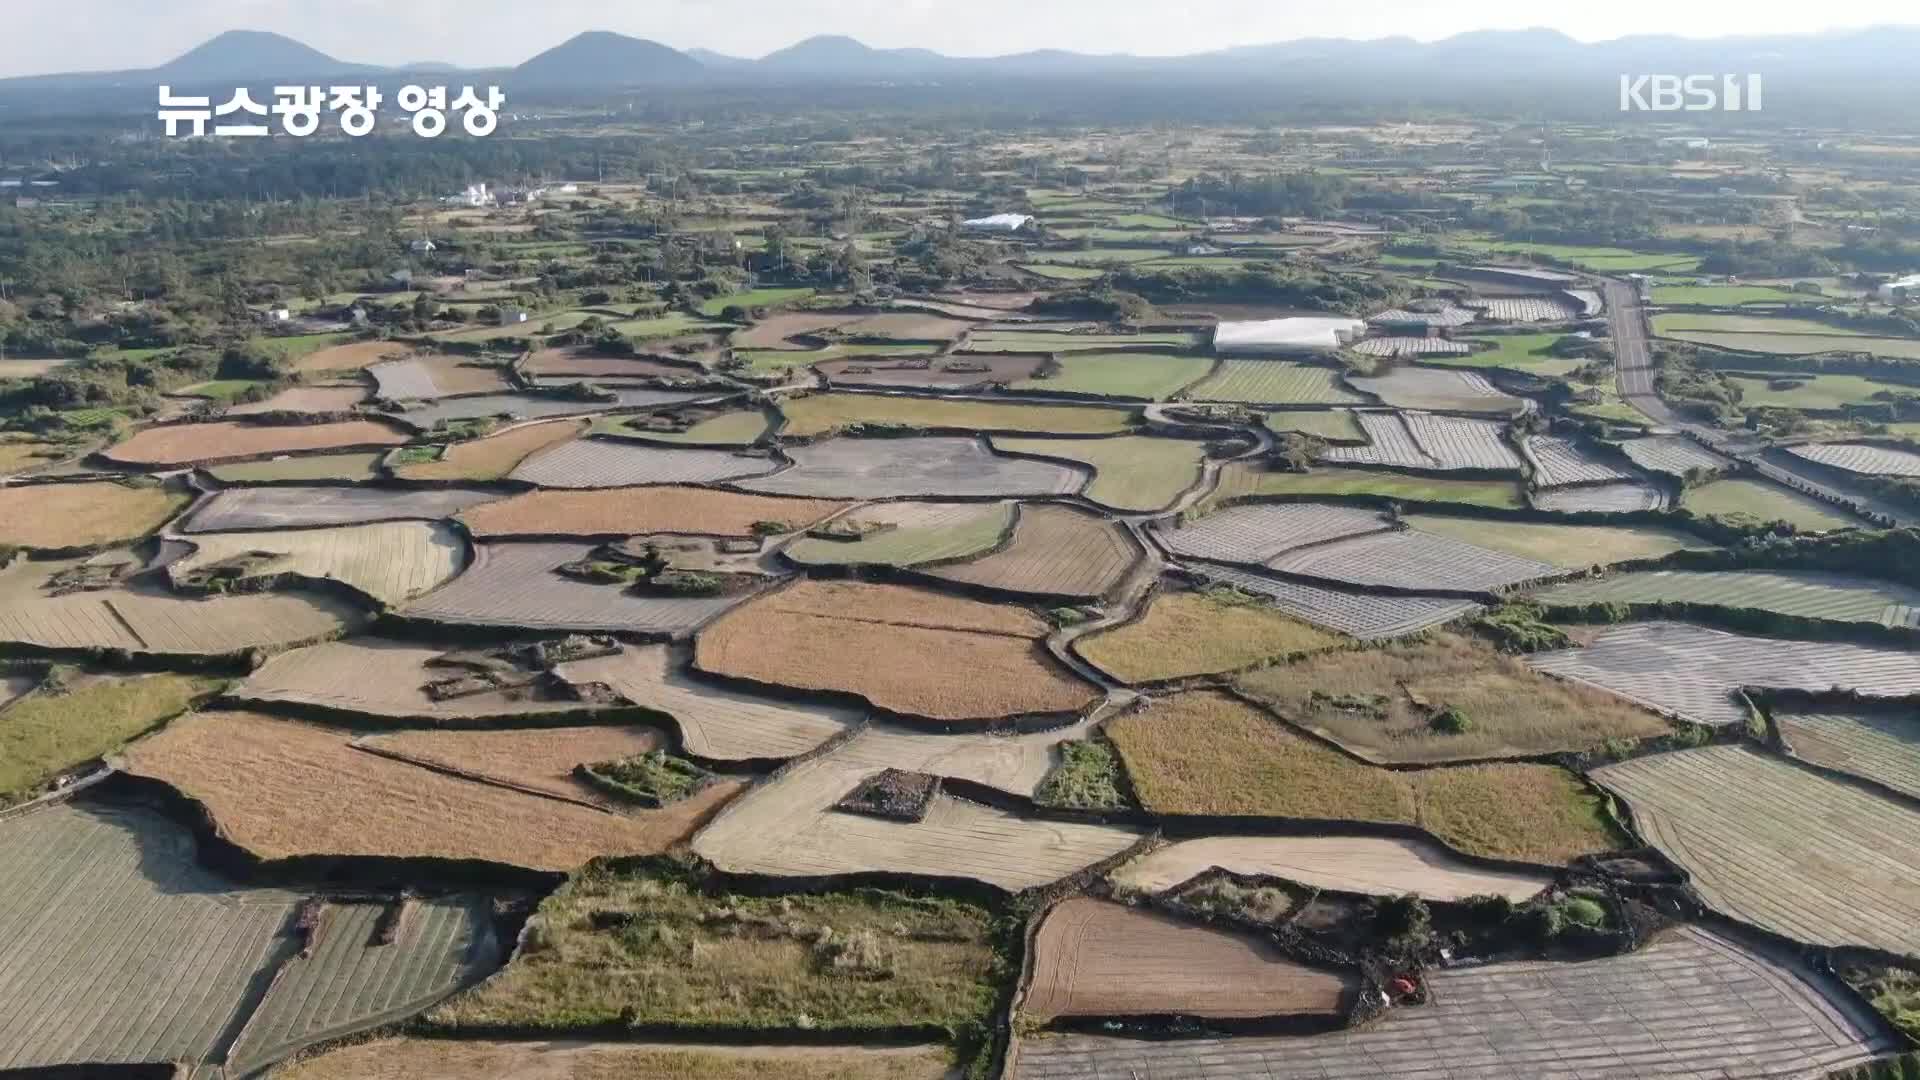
{"x":39,"y":36}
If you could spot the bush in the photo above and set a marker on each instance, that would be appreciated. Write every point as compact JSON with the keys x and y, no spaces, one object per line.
{"x":1450,"y":721}
{"x":1584,"y":910}
{"x":1490,"y":909}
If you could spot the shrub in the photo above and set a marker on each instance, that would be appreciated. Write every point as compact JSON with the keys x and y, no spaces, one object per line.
{"x":1584,"y":911}
{"x":1450,"y":721}
{"x":1490,"y":909}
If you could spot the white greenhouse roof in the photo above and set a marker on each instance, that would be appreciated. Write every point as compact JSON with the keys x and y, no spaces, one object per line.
{"x":1297,"y":334}
{"x":1001,"y":222}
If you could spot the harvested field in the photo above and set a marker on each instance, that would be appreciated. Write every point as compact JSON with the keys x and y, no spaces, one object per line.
{"x":1781,"y":846}
{"x":1751,"y":1014}
{"x":1256,"y":532}
{"x":516,"y":585}
{"x":379,"y":677}
{"x":1693,"y":673}
{"x":1415,"y":440}
{"x":918,"y":533}
{"x":47,"y":734}
{"x":536,"y":407}
{"x":1559,"y":461}
{"x":1759,"y":501}
{"x":390,"y":562}
{"x":1412,"y":560}
{"x":1437,"y":388}
{"x":1570,"y":546}
{"x":283,"y":789}
{"x":1601,"y":498}
{"x":1275,"y":382}
{"x":1366,"y":616}
{"x":1860,"y":458}
{"x":1056,"y":551}
{"x":1528,"y":309}
{"x":1014,"y":763}
{"x":922,"y":467}
{"x":1122,"y":375}
{"x":1881,"y":745}
{"x":350,"y":357}
{"x":716,"y":723}
{"x":786,"y":827}
{"x":494,"y":456}
{"x":1374,"y":865}
{"x":1379,"y":704}
{"x":1806,"y":594}
{"x":586,"y":363}
{"x":304,"y":399}
{"x":1675,"y":455}
{"x":539,"y":760}
{"x":821,"y":414}
{"x":607,"y":463}
{"x":904,"y":326}
{"x":774,"y":331}
{"x":1131,"y":473}
{"x":1204,"y":752}
{"x":633,"y":511}
{"x":84,"y":515}
{"x":1388,"y":443}
{"x":471,"y":1059}
{"x":915,"y":652}
{"x":427,"y":377}
{"x":229,"y":440}
{"x":942,"y":373}
{"x":241,"y":509}
{"x":308,"y":468}
{"x":1184,"y":634}
{"x":1095,"y":958}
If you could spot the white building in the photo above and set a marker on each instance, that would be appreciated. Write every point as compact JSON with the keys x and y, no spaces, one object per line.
{"x":1000,"y":223}
{"x":512,"y":316}
{"x":278,"y":314}
{"x":476,"y":195}
{"x":1286,"y":337}
{"x":1901,"y":290}
{"x":422,"y":246}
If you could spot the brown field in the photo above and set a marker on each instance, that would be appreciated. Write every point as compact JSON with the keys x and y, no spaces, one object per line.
{"x":907,"y":650}
{"x":1188,"y":633}
{"x":633,"y":511}
{"x":561,"y":1059}
{"x":283,"y":789}
{"x":822,"y":413}
{"x":586,"y":362}
{"x":1097,"y":958}
{"x":226,"y":440}
{"x":308,"y":468}
{"x":1003,"y":369}
{"x":906,"y":326}
{"x":496,"y":455}
{"x":534,"y":759}
{"x":390,"y":561}
{"x":435,"y":375}
{"x":380,"y":677}
{"x":1207,"y":753}
{"x":83,"y":515}
{"x":1513,"y":710}
{"x":351,"y":357}
{"x":1374,"y":865}
{"x":310,"y":399}
{"x":773,"y":331}
{"x":1055,"y":551}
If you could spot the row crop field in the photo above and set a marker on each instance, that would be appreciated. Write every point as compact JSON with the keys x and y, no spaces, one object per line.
{"x":1372,"y":865}
{"x":909,"y":533}
{"x":1413,"y":560}
{"x":239,"y":509}
{"x":605,"y":463}
{"x":226,"y":440}
{"x":1437,"y":388}
{"x":1675,"y":455}
{"x":466,"y":1059}
{"x":1183,"y":634}
{"x":1130,"y":473}
{"x":494,"y":456}
{"x":922,"y":467}
{"x":1862,"y":458}
{"x":636,"y":510}
{"x":1275,"y":382}
{"x":1256,"y":532}
{"x":1806,"y":594}
{"x":1239,"y":479}
{"x":1571,"y":546}
{"x":518,"y":584}
{"x":1416,"y":440}
{"x":1879,"y":744}
{"x":1616,"y":498}
{"x":1560,"y":461}
{"x":88,"y":514}
{"x":382,"y":677}
{"x":1059,"y":551}
{"x":391,"y":562}
{"x":1122,"y":375}
{"x":1362,"y":615}
{"x":820,"y":414}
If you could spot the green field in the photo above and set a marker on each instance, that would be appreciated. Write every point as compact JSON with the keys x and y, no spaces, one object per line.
{"x":1062,"y":272}
{"x":1804,"y":595}
{"x":293,"y":348}
{"x":1338,"y":424}
{"x":221,"y":390}
{"x":1523,"y":352}
{"x":818,"y":414}
{"x":1604,"y":259}
{"x":1092,"y":256}
{"x":1572,"y":546}
{"x":1725,"y":295}
{"x":1014,"y":341}
{"x":1151,"y":221}
{"x":1760,"y":501}
{"x":1137,"y":376}
{"x":908,"y":546}
{"x":672,"y":324}
{"x":1671,"y":322}
{"x":754,"y":298}
{"x":1802,"y":344}
{"x":1275,"y":382}
{"x":1808,"y":391}
{"x":49,"y":732}
{"x":1134,"y":473}
{"x":1239,"y":479}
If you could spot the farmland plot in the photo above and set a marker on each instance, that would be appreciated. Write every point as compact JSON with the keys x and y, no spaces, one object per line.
{"x":1389,"y":443}
{"x":1040,"y":340}
{"x":1057,"y":551}
{"x":939,"y":373}
{"x":1861,"y":458}
{"x":1240,"y":479}
{"x":906,"y":650}
{"x":586,"y":363}
{"x":1131,"y":473}
{"x":922,"y":467}
{"x":1756,"y":1015}
{"x":425,"y":378}
{"x":390,"y":562}
{"x":381,"y":677}
{"x":739,"y":428}
{"x":351,"y":357}
{"x":1362,"y":615}
{"x":1781,"y":846}
{"x":1675,"y":455}
{"x":1437,"y":388}
{"x":605,"y":463}
{"x":539,"y":760}
{"x":1412,"y":560}
{"x":517,"y":585}
{"x":1559,"y":461}
{"x":1807,"y":594}
{"x":77,"y":720}
{"x":920,"y":533}
{"x":1459,"y":443}
{"x":83,"y":515}
{"x":283,"y":789}
{"x":228,"y":440}
{"x":716,"y":723}
{"x":822,"y":414}
{"x":636,"y":511}
{"x":1374,"y":865}
{"x":536,"y":407}
{"x":1014,"y":763}
{"x":494,"y":456}
{"x":1183,"y":634}
{"x":1275,"y":382}
{"x":1528,"y":309}
{"x":775,"y":331}
{"x":1571,"y":546}
{"x":1128,"y":376}
{"x":474,"y":1059}
{"x":1601,"y":499}
{"x":1095,"y":958}
{"x":1256,"y":532}
{"x":242,"y":509}
{"x":1882,"y":745}
{"x":1337,"y":425}
{"x":1691,"y":672}
{"x":304,"y":399}
{"x":1742,"y":498}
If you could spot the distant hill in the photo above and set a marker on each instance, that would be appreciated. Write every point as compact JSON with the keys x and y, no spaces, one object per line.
{"x":600,"y":58}
{"x":711,"y":59}
{"x":243,"y":56}
{"x":838,"y":55}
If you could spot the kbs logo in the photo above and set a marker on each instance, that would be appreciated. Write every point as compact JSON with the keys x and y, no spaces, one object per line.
{"x":1689,"y":93}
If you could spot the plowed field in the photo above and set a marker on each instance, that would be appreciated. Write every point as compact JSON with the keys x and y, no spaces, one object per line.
{"x":1375,"y":865}
{"x":1056,"y":551}
{"x":606,"y":463}
{"x":494,"y":456}
{"x":634,"y":511}
{"x":83,"y":515}
{"x":227,"y":440}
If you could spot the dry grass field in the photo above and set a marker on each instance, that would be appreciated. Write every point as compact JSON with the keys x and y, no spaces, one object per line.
{"x":307,"y":468}
{"x":1187,"y":633}
{"x":819,"y":414}
{"x":391,"y":562}
{"x":1374,"y":865}
{"x":350,"y":357}
{"x":530,"y":759}
{"x":905,"y":650}
{"x":48,"y":733}
{"x":1204,"y":752}
{"x":379,"y":677}
{"x":1132,"y":473}
{"x":1093,"y":958}
{"x":494,"y":456}
{"x":634,"y":511}
{"x":1058,"y":551}
{"x":236,"y":509}
{"x":1380,"y":703}
{"x":918,"y":533}
{"x":306,"y":399}
{"x":1570,"y":546}
{"x":82,"y":515}
{"x":227,"y":440}
{"x":518,"y":585}
{"x":282,"y":789}
{"x":572,"y":1059}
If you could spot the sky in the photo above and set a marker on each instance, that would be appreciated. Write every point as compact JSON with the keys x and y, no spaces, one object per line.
{"x":43,"y":36}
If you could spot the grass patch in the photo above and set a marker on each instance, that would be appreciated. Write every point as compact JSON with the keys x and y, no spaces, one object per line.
{"x":1757,"y":502}
{"x":1243,"y":479}
{"x":653,"y":779}
{"x":1062,"y":271}
{"x":1894,"y":993}
{"x":1136,"y":376}
{"x":1726,"y":295}
{"x":754,"y":298}
{"x":51,"y":731}
{"x":1086,"y":778}
{"x":86,"y":514}
{"x":1336,"y":424}
{"x":1390,"y":704}
{"x":1186,"y":633}
{"x":1523,"y":352}
{"x":1208,"y":753}
{"x":1822,"y":392}
{"x":293,"y":348}
{"x":1570,"y":546}
{"x":1664,"y":325}
{"x":223,"y":391}
{"x":727,"y":429}
{"x":818,"y":414}
{"x":1130,"y":473}
{"x":908,"y":546}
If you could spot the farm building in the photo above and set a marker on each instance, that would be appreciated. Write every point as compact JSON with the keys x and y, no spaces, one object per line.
{"x":998,"y":223}
{"x":1285,"y":337}
{"x":1900,"y":290}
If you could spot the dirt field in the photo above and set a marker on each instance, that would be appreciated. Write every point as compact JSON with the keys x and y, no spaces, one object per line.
{"x":380,"y":677}
{"x":1882,"y":745}
{"x":281,"y":788}
{"x":517,"y":585}
{"x":445,"y":1059}
{"x":586,"y":362}
{"x":308,"y":468}
{"x":1097,"y":958}
{"x":85,"y":514}
{"x":226,"y":440}
{"x":1055,"y":551}
{"x":1187,"y":633}
{"x":773,"y":331}
{"x":1377,"y":866}
{"x":391,"y":562}
{"x":920,"y":653}
{"x":536,"y":759}
{"x":351,"y":357}
{"x":421,"y":378}
{"x":929,"y":468}
{"x":307,"y":399}
{"x":1378,"y":703}
{"x":494,"y":456}
{"x":239,"y":509}
{"x":606,"y":463}
{"x":823,"y":413}
{"x":633,"y":511}
{"x":942,"y":373}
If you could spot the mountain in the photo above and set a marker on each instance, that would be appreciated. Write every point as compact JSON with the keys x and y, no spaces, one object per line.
{"x":711,"y":59}
{"x":246,"y":56}
{"x":599,"y":58}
